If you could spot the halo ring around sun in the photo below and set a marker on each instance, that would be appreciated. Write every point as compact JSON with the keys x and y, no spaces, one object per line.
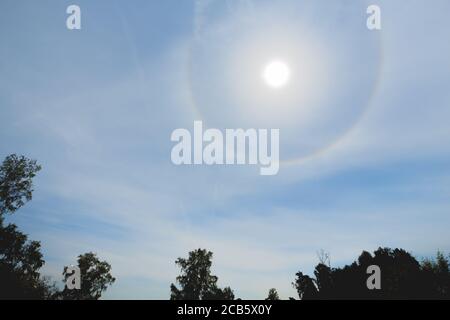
{"x":277,"y":75}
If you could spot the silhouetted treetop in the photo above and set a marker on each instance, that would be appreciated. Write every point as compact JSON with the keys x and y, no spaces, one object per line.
{"x":20,"y":259}
{"x":273,"y":295}
{"x":16,"y":182}
{"x":95,"y":278}
{"x":196,"y":281}
{"x":402,"y":277}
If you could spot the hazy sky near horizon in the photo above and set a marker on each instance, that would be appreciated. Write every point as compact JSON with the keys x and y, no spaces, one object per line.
{"x":364,"y":127}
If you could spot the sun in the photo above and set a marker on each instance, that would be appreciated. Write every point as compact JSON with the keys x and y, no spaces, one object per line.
{"x":276,"y":74}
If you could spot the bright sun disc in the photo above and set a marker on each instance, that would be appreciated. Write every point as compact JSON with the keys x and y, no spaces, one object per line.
{"x":276,"y":74}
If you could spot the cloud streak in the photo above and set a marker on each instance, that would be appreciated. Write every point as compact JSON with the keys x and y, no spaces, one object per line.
{"x":108,"y":184}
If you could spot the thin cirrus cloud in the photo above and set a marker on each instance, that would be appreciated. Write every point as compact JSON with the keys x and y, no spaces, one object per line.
{"x":97,"y":109}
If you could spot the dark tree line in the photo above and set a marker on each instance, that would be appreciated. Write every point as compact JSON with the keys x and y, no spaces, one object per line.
{"x":402,"y":276}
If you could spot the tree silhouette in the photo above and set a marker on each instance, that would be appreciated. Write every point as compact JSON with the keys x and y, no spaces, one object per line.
{"x":95,"y":278}
{"x":273,"y":295}
{"x":305,"y":287}
{"x":196,"y":281}
{"x":20,"y":259}
{"x":16,"y":182}
{"x":402,"y":277}
{"x":437,"y":275}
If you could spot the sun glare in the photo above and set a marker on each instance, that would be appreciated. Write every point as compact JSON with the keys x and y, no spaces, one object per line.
{"x":276,"y":74}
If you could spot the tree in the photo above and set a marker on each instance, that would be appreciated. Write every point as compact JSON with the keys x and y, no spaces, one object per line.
{"x":273,"y":295}
{"x":437,"y":274}
{"x":196,"y":281}
{"x":403,"y":277}
{"x":305,"y":287}
{"x":95,"y":278}
{"x":20,"y":259}
{"x":16,"y":182}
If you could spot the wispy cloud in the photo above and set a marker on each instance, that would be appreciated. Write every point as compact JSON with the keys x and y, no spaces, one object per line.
{"x":102,"y":129}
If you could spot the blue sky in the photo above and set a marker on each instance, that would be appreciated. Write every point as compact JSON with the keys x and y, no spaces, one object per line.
{"x":364,"y":129}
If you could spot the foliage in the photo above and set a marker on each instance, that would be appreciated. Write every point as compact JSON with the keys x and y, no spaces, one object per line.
{"x":20,"y":258}
{"x":16,"y":182}
{"x":95,"y":278}
{"x":196,"y":281}
{"x":402,"y":277}
{"x":273,"y":295}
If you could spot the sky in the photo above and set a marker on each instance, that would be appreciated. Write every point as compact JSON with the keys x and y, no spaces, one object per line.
{"x":364,"y":134}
